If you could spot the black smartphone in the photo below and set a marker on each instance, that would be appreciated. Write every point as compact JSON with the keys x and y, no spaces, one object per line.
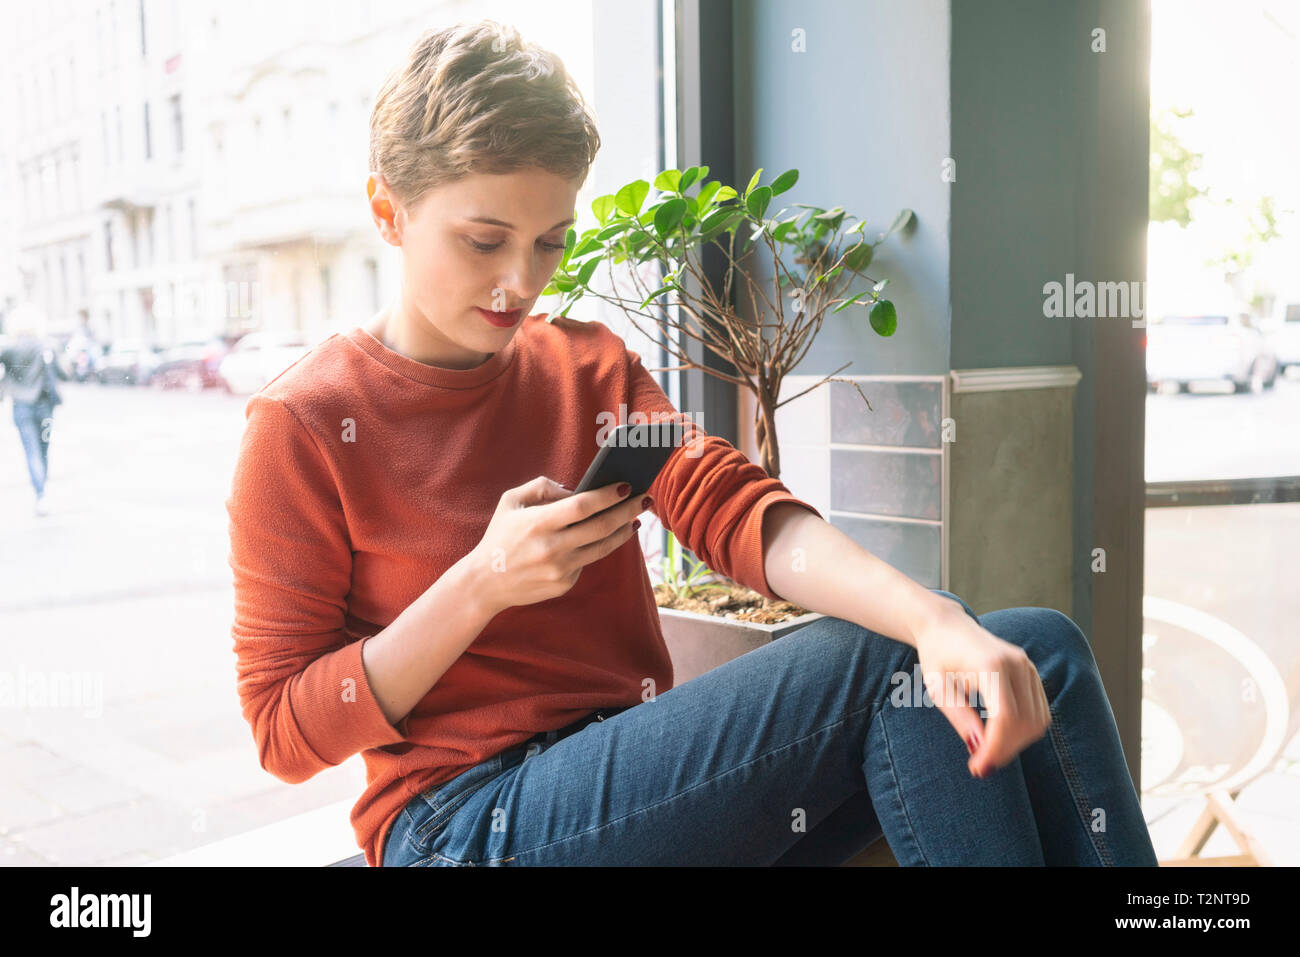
{"x":634,"y":454}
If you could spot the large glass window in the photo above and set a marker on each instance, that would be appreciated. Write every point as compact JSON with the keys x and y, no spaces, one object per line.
{"x":119,"y":601}
{"x":1221,"y":663}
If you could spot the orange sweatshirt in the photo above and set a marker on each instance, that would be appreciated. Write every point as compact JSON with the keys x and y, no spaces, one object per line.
{"x":363,"y":475}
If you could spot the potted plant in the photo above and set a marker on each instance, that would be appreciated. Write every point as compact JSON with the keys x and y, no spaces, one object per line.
{"x":812,"y":260}
{"x":707,"y":624}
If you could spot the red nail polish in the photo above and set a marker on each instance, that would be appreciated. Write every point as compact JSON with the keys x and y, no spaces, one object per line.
{"x":645,"y":502}
{"x":971,"y":743}
{"x":623,"y":489}
{"x":636,"y":523}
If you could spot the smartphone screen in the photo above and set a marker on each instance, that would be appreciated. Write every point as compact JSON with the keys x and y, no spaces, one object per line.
{"x":634,"y":454}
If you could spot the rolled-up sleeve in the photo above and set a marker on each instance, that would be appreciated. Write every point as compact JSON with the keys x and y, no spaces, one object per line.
{"x":709,"y":494}
{"x":302,"y":686}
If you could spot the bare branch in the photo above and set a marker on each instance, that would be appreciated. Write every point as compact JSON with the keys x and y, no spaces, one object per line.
{"x":830,"y":378}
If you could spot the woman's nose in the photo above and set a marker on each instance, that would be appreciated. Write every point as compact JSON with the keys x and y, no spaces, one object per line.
{"x":527,"y":278}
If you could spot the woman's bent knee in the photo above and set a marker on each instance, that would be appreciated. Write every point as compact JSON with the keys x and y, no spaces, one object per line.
{"x":958,"y":599}
{"x":1051,"y":639}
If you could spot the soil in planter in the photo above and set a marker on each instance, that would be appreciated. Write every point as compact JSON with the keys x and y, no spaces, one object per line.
{"x":732,"y":601}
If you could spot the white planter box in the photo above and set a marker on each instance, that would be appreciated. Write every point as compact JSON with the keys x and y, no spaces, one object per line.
{"x":699,"y":643}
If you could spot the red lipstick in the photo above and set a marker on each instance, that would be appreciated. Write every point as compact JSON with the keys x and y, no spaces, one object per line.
{"x":502,"y":320}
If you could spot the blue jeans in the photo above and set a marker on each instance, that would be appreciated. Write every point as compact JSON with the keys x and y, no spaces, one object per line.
{"x":795,"y":754}
{"x":31,"y":419}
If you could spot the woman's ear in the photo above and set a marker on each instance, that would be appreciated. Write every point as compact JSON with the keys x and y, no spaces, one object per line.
{"x":383,"y":210}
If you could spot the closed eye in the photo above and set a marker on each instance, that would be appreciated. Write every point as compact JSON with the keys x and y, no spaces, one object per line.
{"x":492,"y":247}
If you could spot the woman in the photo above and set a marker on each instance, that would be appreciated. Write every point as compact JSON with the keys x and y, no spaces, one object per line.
{"x":415,"y":581}
{"x":31,"y":375}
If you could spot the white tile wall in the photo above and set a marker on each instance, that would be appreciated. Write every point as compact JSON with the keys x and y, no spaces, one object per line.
{"x":803,"y":431}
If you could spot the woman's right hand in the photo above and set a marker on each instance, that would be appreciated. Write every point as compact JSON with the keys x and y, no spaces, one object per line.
{"x":958,"y":656}
{"x":542,"y":535}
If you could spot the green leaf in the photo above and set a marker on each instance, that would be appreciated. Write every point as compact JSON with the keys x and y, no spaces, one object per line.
{"x":859,"y":257}
{"x":590,"y":244}
{"x":657,"y":293}
{"x":756,"y":202}
{"x":589,"y":267}
{"x":884,"y":318}
{"x":753,"y":180}
{"x":784,"y":181}
{"x":848,"y":302}
{"x":667,"y":180}
{"x":567,"y":305}
{"x":570,"y":238}
{"x":691,"y":176}
{"x":631,"y":196}
{"x":784,"y":230}
{"x":724,"y":194}
{"x":719,"y":221}
{"x":602,"y":206}
{"x":669,"y":215}
{"x":900,"y":221}
{"x":716,"y":217}
{"x":565,"y":283}
{"x":832,"y":219}
{"x":613,"y":229}
{"x":706,"y":193}
{"x":880,"y":285}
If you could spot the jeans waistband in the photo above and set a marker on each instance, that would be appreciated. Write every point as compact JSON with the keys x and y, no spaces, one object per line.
{"x":551,"y":737}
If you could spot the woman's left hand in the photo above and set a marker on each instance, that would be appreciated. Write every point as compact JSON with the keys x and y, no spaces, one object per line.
{"x":958,"y":656}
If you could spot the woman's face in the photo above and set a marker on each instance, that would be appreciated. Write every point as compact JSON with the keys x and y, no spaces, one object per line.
{"x":454,"y":264}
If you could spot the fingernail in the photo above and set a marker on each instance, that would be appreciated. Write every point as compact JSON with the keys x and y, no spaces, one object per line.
{"x":645,"y":502}
{"x":623,"y":489}
{"x":970,"y":743}
{"x":636,"y":523}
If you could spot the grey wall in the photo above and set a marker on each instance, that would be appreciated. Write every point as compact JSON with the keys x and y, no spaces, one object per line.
{"x":863,"y":115}
{"x":1016,"y":114}
{"x":1051,"y":143}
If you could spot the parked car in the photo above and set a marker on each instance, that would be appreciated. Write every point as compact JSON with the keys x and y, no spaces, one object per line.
{"x":1188,"y":348}
{"x":129,"y":361}
{"x":1286,"y":337}
{"x":193,"y":366}
{"x":259,"y":357}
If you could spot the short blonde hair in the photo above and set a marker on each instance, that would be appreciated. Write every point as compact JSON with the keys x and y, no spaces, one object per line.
{"x":476,"y":98}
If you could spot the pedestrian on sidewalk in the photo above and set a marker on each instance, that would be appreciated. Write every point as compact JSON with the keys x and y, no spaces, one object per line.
{"x":31,"y":375}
